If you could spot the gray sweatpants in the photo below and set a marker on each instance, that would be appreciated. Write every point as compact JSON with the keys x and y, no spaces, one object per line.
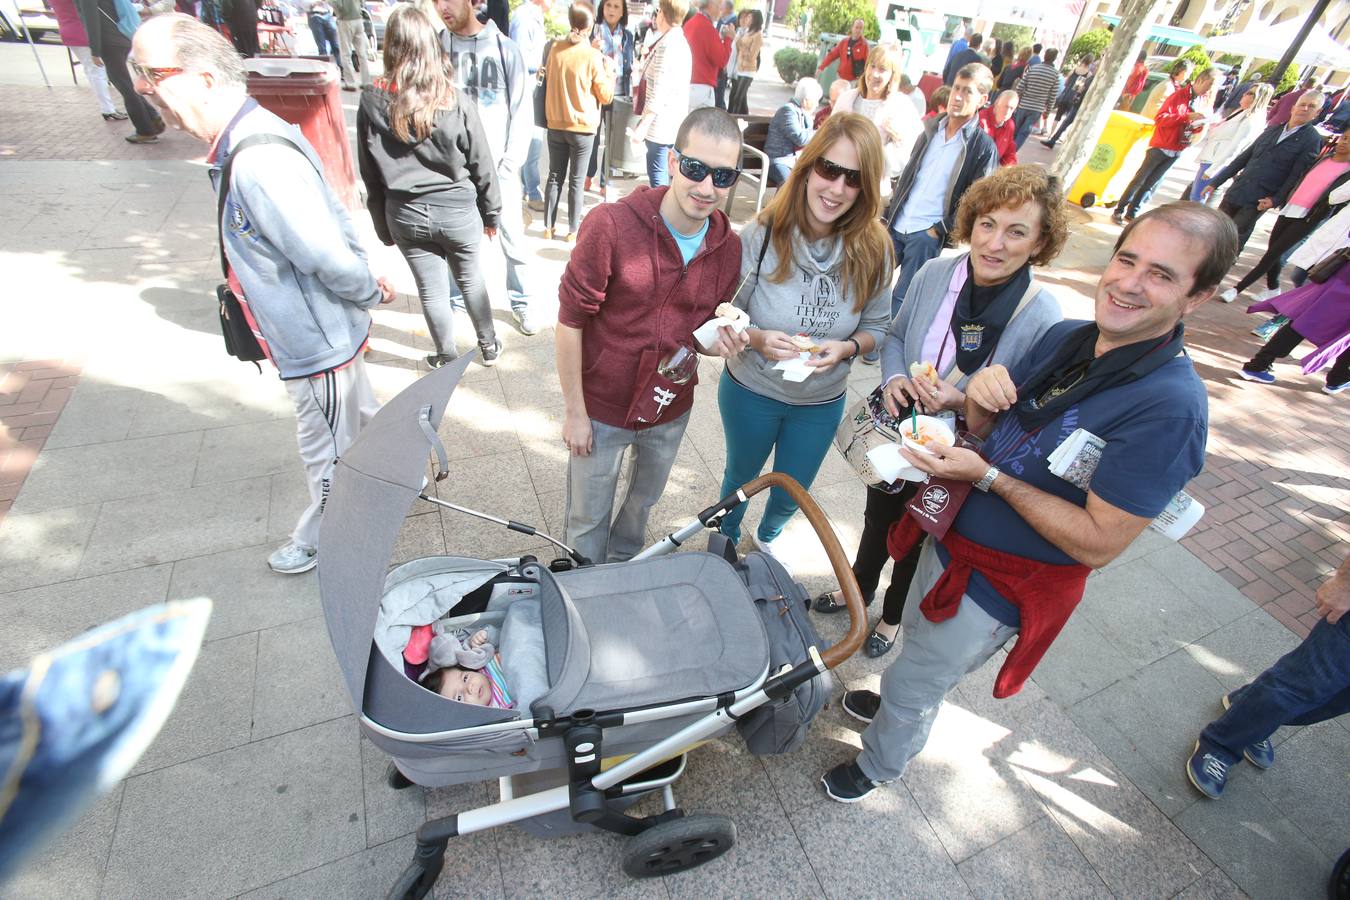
{"x":592,"y":481}
{"x":331,"y":408}
{"x":933,"y":657}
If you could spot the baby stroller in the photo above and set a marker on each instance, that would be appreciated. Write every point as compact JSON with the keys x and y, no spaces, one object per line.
{"x":635,"y":663}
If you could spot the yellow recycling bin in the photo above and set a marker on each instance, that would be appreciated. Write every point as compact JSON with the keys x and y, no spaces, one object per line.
{"x":1115,"y":159}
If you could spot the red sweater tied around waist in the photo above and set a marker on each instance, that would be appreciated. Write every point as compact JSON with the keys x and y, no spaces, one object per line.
{"x":1045,"y":594}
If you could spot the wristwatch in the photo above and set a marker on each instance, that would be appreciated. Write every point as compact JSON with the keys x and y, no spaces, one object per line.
{"x":985,"y":483}
{"x":857,"y":348}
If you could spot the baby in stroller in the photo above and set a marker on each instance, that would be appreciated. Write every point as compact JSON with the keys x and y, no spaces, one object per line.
{"x":458,"y":664}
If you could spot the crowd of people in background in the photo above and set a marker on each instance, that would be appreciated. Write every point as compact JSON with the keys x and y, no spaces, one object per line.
{"x":843,"y":266}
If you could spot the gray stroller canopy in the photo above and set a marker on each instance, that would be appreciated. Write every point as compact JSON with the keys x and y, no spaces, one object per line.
{"x":375,"y":484}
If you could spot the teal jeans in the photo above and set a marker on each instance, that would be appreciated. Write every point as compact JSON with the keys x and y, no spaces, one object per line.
{"x":755,"y":425}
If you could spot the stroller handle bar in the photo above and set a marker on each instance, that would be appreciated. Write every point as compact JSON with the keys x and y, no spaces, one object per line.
{"x":843,"y":571}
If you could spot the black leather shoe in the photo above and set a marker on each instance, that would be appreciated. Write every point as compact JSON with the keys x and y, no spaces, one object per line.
{"x":829,"y":603}
{"x":878,"y":645}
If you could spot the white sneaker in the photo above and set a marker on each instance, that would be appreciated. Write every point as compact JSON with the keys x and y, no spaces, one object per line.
{"x":525,"y":321}
{"x":1228,"y":295}
{"x":1267,"y":294}
{"x":767,"y":547}
{"x":292,"y":559}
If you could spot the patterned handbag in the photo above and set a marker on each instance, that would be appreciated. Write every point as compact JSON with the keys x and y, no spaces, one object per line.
{"x":867,"y":424}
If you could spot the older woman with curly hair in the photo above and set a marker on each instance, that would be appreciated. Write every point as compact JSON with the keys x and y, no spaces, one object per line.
{"x":961,"y":313}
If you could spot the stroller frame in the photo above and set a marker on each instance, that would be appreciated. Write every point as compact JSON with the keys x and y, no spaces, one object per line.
{"x":670,"y":841}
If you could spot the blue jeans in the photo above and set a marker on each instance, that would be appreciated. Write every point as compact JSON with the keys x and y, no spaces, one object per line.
{"x":658,"y":164}
{"x":779,"y":172}
{"x":79,"y":717}
{"x":911,"y":252}
{"x":798,"y":436}
{"x":1200,"y":183}
{"x":324,"y":30}
{"x":1309,"y":684}
{"x":1025,"y":120}
{"x":529,"y":175}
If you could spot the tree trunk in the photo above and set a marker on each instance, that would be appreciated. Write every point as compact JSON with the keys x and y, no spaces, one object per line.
{"x":1112,"y":73}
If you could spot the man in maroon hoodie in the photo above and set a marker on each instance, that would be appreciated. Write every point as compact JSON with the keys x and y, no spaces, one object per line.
{"x":710,"y":51}
{"x":646,"y":272}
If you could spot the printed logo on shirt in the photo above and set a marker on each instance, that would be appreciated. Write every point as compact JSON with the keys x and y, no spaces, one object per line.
{"x":818,"y":309}
{"x":480,"y":79}
{"x":1022,"y":454}
{"x":237,"y":222}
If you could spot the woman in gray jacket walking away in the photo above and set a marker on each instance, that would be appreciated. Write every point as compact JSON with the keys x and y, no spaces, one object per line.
{"x":816,"y":271}
{"x":430,"y":180}
{"x":960,"y":313}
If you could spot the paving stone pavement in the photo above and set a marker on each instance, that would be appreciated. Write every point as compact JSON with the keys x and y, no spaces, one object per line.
{"x":171,"y":472}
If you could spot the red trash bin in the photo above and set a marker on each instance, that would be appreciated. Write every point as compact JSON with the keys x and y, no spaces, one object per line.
{"x":308,"y":93}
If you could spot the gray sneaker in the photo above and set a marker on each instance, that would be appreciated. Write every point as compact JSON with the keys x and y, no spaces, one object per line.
{"x":292,"y":559}
{"x":525,"y":320}
{"x":490,"y":355}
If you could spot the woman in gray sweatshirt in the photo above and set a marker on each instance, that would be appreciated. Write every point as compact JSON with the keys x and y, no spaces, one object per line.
{"x":960,"y":313}
{"x":816,"y":268}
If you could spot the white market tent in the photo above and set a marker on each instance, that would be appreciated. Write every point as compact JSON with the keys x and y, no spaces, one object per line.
{"x":1270,"y":42}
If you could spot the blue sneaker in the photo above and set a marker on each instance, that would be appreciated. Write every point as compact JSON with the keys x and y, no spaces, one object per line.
{"x":1207,"y":772}
{"x":1263,"y":377}
{"x":1262,"y":753}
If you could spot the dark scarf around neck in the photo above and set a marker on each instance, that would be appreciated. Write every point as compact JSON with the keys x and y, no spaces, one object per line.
{"x":1075,"y":373}
{"x":981,"y":314}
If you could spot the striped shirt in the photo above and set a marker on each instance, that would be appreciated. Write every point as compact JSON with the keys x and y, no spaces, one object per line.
{"x":501,"y":697}
{"x":1038,"y":87}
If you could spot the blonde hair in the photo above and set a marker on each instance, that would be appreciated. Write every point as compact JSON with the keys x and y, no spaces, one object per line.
{"x":420,"y":76}
{"x":868,"y":256}
{"x":674,"y":11}
{"x":882,"y":55}
{"x":1261,"y":94}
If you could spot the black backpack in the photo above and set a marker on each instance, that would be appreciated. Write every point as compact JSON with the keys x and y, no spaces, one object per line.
{"x":778,"y":726}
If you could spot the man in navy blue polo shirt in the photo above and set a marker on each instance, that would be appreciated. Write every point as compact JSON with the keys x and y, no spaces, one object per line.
{"x":1016,"y":556}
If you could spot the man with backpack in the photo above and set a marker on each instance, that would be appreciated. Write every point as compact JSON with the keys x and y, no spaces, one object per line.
{"x":292,"y":254}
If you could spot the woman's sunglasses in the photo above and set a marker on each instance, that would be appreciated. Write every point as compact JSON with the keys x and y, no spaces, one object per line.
{"x":831,"y":171}
{"x":696,"y":170}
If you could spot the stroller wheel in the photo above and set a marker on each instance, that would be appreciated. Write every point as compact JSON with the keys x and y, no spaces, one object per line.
{"x":677,"y":845}
{"x":396,"y":779}
{"x":416,"y":881}
{"x":1338,"y":887}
